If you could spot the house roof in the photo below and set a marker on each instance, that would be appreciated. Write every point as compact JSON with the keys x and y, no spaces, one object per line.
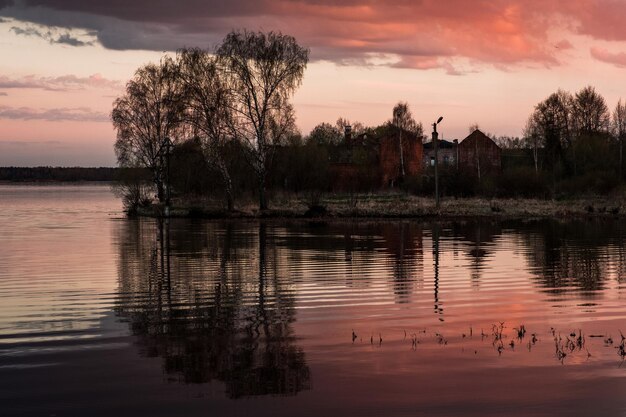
{"x":443,"y":144}
{"x":478,"y":135}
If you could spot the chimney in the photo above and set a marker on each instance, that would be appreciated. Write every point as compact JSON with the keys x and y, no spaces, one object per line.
{"x":348,"y":133}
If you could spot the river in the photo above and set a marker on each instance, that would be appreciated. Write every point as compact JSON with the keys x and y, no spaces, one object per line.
{"x":104,"y":315}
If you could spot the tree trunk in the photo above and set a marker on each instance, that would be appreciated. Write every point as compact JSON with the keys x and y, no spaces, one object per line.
{"x":621,"y":159}
{"x":228,"y":185}
{"x":230,"y":201}
{"x":160,"y":189}
{"x":575,"y":164}
{"x":262,"y":195}
{"x":401,"y":155}
{"x":477,"y":161}
{"x":536,"y":158}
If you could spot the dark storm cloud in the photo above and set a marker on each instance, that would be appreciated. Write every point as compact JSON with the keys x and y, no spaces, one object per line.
{"x":421,"y":34}
{"x":64,"y":38}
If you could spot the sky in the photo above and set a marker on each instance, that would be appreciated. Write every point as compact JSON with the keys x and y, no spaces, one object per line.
{"x":63,"y":62}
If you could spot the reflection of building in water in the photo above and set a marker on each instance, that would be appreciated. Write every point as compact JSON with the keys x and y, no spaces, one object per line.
{"x":209,"y":308}
{"x":480,"y":240}
{"x":356,"y":248}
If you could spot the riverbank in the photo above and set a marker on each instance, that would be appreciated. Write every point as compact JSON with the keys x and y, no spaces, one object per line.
{"x":403,"y":206}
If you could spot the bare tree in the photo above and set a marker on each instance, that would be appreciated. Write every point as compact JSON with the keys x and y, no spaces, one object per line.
{"x":356,"y":127}
{"x":472,"y":128}
{"x":148,"y":112}
{"x":403,"y":121}
{"x":590,"y":116}
{"x":619,"y":130}
{"x":551,"y":121}
{"x":509,"y":142}
{"x":208,"y":109}
{"x":264,"y":71}
{"x":325,"y":134}
{"x":282,"y":126}
{"x":590,"y":112}
{"x":532,"y":137}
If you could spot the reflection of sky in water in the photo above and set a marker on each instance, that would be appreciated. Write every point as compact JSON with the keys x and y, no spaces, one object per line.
{"x":198,"y":313}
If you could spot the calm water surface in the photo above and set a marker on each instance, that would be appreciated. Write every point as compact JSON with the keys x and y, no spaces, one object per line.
{"x":103,"y":315}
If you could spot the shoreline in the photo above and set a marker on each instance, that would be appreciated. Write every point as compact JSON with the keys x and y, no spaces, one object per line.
{"x":405,"y":207}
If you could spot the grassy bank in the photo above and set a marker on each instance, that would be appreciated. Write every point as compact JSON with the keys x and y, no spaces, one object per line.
{"x":386,"y":205}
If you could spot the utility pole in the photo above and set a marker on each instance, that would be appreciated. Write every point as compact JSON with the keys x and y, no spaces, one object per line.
{"x":436,"y":148}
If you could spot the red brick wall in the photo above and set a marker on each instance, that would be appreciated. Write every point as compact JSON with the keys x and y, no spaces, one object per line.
{"x":389,"y":160}
{"x":354,"y":177}
{"x":370,"y":176}
{"x":478,"y":148}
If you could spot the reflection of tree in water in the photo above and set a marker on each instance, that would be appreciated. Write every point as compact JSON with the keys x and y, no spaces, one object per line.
{"x":223,"y":315}
{"x":355,"y":245}
{"x":621,"y":264}
{"x":403,"y":241}
{"x":578,"y":254}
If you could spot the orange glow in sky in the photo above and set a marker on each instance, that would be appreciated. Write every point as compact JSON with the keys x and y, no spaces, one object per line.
{"x":486,"y":62}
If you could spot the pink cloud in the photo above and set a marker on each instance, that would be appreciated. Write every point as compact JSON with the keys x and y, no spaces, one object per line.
{"x":60,"y":83}
{"x":79,"y":114}
{"x":618,"y":59}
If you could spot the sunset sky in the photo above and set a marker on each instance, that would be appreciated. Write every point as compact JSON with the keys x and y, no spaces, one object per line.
{"x":63,"y":62}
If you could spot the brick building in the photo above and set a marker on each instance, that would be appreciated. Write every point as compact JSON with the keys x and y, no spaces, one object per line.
{"x":479,"y":155}
{"x":447,"y":153}
{"x":371,"y":162}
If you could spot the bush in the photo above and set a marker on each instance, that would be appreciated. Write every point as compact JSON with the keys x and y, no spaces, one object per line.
{"x":522,"y":182}
{"x":412,"y":184}
{"x":488,"y":186}
{"x":601,"y":182}
{"x":134,"y":188}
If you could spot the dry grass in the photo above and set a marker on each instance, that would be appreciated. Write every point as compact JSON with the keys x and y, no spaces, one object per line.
{"x":381,"y":205}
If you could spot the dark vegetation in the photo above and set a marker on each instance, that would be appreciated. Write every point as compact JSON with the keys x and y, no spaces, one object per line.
{"x":228,"y":114}
{"x":54,"y":174}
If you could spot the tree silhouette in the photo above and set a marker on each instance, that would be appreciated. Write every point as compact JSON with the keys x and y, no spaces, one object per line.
{"x":403,"y":120}
{"x":619,"y":131}
{"x":212,"y":308}
{"x":208,"y":109}
{"x":264,"y":70}
{"x":148,"y":112}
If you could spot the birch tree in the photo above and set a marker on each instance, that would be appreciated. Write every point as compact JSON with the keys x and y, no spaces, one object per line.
{"x":264,"y":70}
{"x":532,"y":138}
{"x":619,"y":130}
{"x":208,"y":109}
{"x":149,"y":111}
{"x":403,"y":121}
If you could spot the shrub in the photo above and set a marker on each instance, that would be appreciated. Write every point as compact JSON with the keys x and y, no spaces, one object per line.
{"x":412,"y":184}
{"x":134,"y":188}
{"x":601,"y":182}
{"x":522,"y":182}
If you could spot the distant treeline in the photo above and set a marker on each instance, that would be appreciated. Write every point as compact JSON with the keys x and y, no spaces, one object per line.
{"x":44,"y":174}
